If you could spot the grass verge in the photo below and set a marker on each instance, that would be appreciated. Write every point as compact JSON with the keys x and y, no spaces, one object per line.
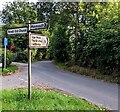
{"x":43,"y":100}
{"x":8,"y":70}
{"x":88,"y":72}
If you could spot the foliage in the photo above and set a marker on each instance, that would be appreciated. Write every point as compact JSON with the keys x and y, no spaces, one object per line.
{"x":34,"y":51}
{"x":17,"y":100}
{"x":17,"y":14}
{"x":86,"y":71}
{"x":101,"y":37}
{"x":86,"y":33}
{"x":9,"y":58}
{"x":22,"y":56}
{"x":8,"y":70}
{"x":59,"y":44}
{"x":21,"y":11}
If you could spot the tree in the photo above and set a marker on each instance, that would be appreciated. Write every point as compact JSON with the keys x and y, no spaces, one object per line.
{"x":17,"y":14}
{"x":59,"y":44}
{"x":101,"y":37}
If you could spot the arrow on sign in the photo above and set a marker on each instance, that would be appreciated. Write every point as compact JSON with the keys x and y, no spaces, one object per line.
{"x":38,"y":41}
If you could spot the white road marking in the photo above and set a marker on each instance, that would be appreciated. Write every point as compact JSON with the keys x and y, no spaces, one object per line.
{"x":23,"y":80}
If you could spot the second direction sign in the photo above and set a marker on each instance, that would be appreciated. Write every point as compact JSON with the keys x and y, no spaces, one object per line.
{"x":35,"y":26}
{"x":38,"y":41}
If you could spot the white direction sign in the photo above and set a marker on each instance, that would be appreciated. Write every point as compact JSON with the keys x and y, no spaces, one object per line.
{"x":21,"y":30}
{"x":38,"y":41}
{"x":35,"y":26}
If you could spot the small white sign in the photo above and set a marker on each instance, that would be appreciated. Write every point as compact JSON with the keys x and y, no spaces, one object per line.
{"x":38,"y":41}
{"x":36,"y":26}
{"x":17,"y":31}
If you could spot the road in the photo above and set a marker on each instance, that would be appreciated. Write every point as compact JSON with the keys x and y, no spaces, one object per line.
{"x":45,"y":73}
{"x":97,"y":92}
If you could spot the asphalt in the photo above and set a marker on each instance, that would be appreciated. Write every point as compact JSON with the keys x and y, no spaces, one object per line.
{"x":19,"y":79}
{"x":45,"y":74}
{"x":98,"y":92}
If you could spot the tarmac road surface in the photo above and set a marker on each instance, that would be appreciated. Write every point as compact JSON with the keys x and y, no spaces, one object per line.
{"x":44,"y":73}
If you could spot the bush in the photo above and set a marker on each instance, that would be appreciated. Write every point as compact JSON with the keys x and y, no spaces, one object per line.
{"x":22,"y":56}
{"x":33,"y":54}
{"x":59,"y":44}
{"x":9,"y":58}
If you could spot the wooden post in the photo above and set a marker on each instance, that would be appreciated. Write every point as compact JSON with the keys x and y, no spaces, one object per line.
{"x":29,"y":64}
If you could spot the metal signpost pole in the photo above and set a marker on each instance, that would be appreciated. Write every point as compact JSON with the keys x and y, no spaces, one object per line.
{"x":5,"y":44}
{"x":29,"y":64}
{"x":5,"y":57}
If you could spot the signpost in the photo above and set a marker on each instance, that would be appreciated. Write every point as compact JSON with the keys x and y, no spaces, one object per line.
{"x":35,"y":41}
{"x":22,"y":30}
{"x":18,"y":30}
{"x":5,"y":44}
{"x":29,"y":64}
{"x":38,"y":41}
{"x":35,"y":26}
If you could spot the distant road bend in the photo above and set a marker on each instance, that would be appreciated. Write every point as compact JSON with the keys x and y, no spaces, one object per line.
{"x":98,"y":92}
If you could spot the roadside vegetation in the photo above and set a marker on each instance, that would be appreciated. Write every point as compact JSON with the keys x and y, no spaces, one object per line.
{"x":9,"y":70}
{"x":43,"y":100}
{"x":88,"y":72}
{"x":84,"y":36}
{"x":9,"y":59}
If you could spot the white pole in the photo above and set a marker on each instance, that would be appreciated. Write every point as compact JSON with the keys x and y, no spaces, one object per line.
{"x":5,"y":57}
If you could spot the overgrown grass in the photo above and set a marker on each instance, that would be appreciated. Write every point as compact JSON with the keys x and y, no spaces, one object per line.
{"x":43,"y":100}
{"x":113,"y":78}
{"x":8,"y":70}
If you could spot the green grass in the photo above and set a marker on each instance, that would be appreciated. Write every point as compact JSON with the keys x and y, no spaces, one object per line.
{"x":43,"y":100}
{"x":113,"y":78}
{"x":8,"y":70}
